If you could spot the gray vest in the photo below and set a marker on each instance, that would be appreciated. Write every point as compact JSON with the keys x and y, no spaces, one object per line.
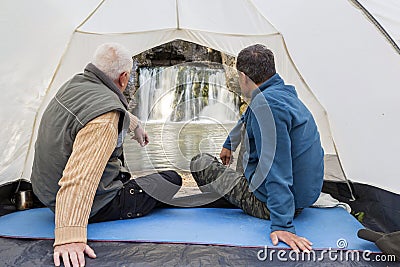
{"x":80,"y":100}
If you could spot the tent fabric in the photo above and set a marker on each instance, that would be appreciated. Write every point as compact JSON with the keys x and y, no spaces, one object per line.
{"x":342,"y":66}
{"x":387,"y":14}
{"x":378,"y":208}
{"x":17,"y":252}
{"x":340,"y":63}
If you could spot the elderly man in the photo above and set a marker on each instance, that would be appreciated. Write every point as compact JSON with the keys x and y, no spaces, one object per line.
{"x":78,"y":171}
{"x":283,"y":160}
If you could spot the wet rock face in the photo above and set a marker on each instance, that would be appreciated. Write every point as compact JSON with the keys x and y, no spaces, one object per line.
{"x":176,"y":52}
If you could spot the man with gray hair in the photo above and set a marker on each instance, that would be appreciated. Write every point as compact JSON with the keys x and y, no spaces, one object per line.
{"x":78,"y":170}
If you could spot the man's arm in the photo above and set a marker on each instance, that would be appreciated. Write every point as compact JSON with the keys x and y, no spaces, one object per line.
{"x":91,"y":151}
{"x":136,"y":127}
{"x":134,"y":122}
{"x":270,"y":126}
{"x":234,"y":137}
{"x":232,"y":142}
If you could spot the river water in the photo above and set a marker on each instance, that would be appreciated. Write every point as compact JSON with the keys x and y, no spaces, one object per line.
{"x":172,"y":145}
{"x":185,"y":109}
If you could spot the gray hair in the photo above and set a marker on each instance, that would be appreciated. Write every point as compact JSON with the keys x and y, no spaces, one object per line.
{"x":257,"y":62}
{"x":112,"y":59}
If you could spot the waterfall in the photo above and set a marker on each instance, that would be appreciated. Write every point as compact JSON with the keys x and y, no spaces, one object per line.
{"x":184,"y":93}
{"x":155,"y":94}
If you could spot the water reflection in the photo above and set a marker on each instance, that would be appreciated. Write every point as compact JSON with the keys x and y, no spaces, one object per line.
{"x":172,"y":145}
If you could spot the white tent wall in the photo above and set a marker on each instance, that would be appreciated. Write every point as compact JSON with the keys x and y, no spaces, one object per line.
{"x":387,"y":14}
{"x":131,"y":16}
{"x":354,"y":72}
{"x":34,"y":35}
{"x":347,"y":63}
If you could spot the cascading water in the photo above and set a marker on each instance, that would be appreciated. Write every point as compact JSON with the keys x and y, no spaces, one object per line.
{"x":184,"y":93}
{"x":155,"y":94}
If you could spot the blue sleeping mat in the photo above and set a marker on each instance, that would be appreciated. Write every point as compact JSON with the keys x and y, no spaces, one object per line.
{"x":231,"y":227}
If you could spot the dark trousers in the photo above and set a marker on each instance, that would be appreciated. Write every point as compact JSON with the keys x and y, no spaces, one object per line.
{"x":133,"y":201}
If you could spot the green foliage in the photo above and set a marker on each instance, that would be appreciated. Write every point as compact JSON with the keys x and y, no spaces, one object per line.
{"x":358,"y":215}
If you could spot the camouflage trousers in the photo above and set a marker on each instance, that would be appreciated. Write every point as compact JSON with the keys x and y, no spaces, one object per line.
{"x":212,"y":176}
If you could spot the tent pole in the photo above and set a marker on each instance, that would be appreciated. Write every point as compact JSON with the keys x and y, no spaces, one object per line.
{"x":377,"y":24}
{"x":344,"y":174}
{"x":90,"y":15}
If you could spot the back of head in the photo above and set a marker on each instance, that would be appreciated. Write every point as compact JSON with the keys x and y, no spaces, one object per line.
{"x":112,"y":59}
{"x":257,"y":62}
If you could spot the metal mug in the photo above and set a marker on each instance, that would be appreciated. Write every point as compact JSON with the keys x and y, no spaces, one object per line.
{"x":24,"y":200}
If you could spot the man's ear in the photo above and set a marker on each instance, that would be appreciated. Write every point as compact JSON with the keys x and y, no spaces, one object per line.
{"x":123,"y":79}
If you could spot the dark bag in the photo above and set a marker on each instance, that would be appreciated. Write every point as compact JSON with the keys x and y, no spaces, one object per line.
{"x":388,"y":243}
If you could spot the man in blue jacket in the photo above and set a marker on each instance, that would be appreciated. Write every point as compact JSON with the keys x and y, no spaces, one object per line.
{"x":283,"y":160}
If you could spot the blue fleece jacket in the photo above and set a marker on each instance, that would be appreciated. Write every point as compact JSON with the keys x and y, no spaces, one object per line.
{"x":283,"y":161}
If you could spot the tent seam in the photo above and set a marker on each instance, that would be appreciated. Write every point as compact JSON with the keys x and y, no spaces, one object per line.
{"x":90,"y":15}
{"x":341,"y":167}
{"x":181,"y":29}
{"x":325,"y":112}
{"x":262,"y":15}
{"x":374,"y":21}
{"x":177,"y":15}
{"x":51,"y":83}
{"x":45,"y":94}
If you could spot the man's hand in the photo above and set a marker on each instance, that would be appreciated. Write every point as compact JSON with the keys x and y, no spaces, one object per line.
{"x":74,"y":253}
{"x":296,"y":243}
{"x":225,"y":156}
{"x":141,"y":136}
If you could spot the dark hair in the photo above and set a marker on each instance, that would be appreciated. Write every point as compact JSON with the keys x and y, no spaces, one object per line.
{"x":257,"y":62}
